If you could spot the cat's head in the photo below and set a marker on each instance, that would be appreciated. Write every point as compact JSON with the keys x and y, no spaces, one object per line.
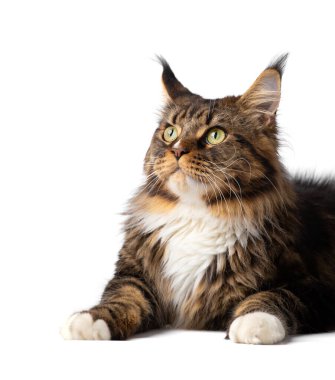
{"x":221,"y":149}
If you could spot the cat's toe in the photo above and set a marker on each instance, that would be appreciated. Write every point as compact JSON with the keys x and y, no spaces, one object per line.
{"x":81,"y":326}
{"x":101,"y":330}
{"x":257,"y":328}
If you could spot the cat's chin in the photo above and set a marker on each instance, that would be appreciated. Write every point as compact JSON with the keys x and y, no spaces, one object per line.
{"x":185,"y":187}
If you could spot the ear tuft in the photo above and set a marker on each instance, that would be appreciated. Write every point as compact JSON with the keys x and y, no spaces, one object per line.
{"x":166,"y":67}
{"x":279,"y":64}
{"x":264,"y":95}
{"x":174,"y":90}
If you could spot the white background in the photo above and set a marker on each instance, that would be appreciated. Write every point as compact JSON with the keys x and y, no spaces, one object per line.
{"x":79,"y":91}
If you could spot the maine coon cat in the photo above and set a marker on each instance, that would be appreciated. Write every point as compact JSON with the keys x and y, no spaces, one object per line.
{"x":221,"y":237}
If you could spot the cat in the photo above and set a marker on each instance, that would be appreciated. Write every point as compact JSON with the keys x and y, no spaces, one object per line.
{"x":220,"y":236}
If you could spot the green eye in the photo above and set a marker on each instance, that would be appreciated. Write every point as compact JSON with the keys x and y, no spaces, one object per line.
{"x":170,"y":134}
{"x":215,"y":136}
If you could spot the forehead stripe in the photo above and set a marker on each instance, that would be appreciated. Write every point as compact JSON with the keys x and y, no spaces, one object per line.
{"x":174,"y":118}
{"x":201,"y":113}
{"x":180,"y":116}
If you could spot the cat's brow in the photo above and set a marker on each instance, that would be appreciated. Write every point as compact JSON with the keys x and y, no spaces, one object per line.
{"x":201,"y":131}
{"x":180,"y":116}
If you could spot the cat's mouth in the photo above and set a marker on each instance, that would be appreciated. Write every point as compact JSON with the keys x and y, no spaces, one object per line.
{"x":189,"y":170}
{"x":183,"y":173}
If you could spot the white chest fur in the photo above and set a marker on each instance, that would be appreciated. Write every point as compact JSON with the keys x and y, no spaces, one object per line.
{"x":193,"y":237}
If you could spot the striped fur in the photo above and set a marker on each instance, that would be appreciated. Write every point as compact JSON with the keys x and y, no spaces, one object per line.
{"x":221,"y":237}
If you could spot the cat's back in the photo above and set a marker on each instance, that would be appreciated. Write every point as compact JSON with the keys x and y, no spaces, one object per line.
{"x":316,"y":203}
{"x":315,"y":191}
{"x":316,"y":215}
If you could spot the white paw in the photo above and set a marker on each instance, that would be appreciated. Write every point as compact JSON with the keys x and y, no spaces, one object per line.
{"x":257,"y":328}
{"x":80,"y":326}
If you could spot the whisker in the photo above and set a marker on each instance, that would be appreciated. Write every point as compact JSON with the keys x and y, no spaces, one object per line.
{"x":231,"y":189}
{"x":220,"y":192}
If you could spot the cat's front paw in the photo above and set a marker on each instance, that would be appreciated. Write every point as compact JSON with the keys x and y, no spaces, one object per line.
{"x":81,"y":326}
{"x":257,"y":328}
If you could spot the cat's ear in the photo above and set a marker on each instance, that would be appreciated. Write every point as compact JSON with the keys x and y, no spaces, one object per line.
{"x":264,"y":95}
{"x":173,"y":89}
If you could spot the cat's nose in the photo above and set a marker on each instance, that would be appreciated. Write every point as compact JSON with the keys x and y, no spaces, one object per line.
{"x":178,"y":152}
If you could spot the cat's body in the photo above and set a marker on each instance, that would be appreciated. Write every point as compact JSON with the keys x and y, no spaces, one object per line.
{"x":220,"y":237}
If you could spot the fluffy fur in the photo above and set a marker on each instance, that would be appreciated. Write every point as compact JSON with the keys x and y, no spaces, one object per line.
{"x":193,"y":238}
{"x":220,"y":236}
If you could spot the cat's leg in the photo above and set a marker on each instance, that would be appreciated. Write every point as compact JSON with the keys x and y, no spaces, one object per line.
{"x":127,"y":306}
{"x":265,"y":317}
{"x":268,"y":317}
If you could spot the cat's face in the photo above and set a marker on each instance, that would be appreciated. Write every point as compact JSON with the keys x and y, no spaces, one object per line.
{"x":218,"y":149}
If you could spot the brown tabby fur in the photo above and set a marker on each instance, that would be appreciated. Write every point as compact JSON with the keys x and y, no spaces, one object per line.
{"x":288,"y":270}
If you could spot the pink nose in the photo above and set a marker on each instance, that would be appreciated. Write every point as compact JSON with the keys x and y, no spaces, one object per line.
{"x":178,"y":152}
